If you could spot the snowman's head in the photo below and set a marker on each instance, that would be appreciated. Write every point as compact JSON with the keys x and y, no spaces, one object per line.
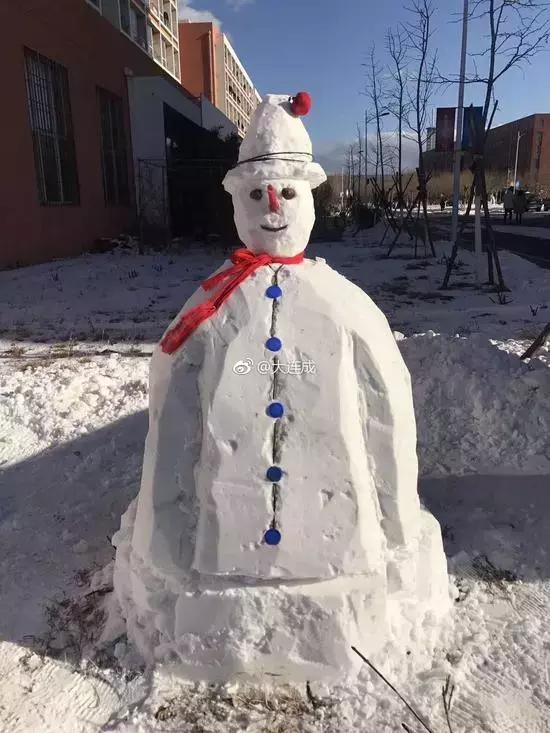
{"x":272,"y":182}
{"x":274,"y":216}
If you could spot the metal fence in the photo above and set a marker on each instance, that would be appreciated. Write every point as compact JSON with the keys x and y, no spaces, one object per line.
{"x":185,"y":199}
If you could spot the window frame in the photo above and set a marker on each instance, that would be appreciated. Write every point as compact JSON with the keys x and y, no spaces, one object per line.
{"x":51,"y":124}
{"x":114,"y":155}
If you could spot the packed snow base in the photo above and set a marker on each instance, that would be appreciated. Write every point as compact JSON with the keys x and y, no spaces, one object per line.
{"x":278,"y":522}
{"x":80,"y":414}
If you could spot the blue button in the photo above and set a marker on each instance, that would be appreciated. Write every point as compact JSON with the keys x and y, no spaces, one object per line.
{"x":274,"y":291}
{"x":274,"y":344}
{"x":275,"y":409}
{"x":274,"y":473}
{"x":272,"y":537}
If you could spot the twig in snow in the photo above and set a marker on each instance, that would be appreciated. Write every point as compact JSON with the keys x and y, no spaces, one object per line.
{"x":99,"y":591}
{"x":447,"y":695}
{"x":389,"y":684}
{"x":315,"y":701}
{"x":502,"y":298}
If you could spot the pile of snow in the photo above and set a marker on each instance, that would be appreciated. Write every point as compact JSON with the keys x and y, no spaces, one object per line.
{"x":478,"y":407}
{"x":44,"y":403}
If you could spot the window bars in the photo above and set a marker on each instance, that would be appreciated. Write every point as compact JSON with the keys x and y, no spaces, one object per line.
{"x":52,"y":130}
{"x":113,"y":149}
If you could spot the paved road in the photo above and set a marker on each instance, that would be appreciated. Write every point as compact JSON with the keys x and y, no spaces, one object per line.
{"x":531,"y":240}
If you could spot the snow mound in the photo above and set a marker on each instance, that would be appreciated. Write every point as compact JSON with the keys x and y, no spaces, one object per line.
{"x":46,"y":403}
{"x":478,"y":407}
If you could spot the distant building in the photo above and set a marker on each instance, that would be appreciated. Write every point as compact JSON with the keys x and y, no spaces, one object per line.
{"x":86,"y":119}
{"x":500,"y":153}
{"x":430,"y":138}
{"x":533,"y":152}
{"x":152,"y":24}
{"x":211,"y":68}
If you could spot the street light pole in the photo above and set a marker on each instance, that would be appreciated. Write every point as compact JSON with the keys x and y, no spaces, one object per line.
{"x":459,"y":123}
{"x":520,"y":135}
{"x":366,"y":144}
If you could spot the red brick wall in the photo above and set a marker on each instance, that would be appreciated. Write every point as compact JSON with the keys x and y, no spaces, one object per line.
{"x":540,"y":175}
{"x":500,"y":154}
{"x":501,"y":151}
{"x":95,"y":53}
{"x":197,"y":62}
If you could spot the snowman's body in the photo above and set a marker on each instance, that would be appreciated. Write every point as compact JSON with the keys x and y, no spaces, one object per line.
{"x":357,"y":561}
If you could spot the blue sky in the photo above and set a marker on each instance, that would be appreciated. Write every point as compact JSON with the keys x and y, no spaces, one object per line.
{"x":320,"y":46}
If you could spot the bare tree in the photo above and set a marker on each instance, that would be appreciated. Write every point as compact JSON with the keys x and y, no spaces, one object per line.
{"x":516,"y":31}
{"x":359,"y":163}
{"x":418,"y":32}
{"x":353,"y":163}
{"x":375,"y":94}
{"x":347,"y":187}
{"x":398,"y":101}
{"x":352,"y":172}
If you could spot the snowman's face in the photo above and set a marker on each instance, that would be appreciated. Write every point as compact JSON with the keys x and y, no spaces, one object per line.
{"x":274,"y":216}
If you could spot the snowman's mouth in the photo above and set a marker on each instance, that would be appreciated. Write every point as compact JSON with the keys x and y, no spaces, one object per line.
{"x":274,"y":229}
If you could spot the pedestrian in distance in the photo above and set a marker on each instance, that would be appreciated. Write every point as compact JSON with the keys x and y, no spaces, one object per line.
{"x":508,"y":203}
{"x":442,"y":202}
{"x":520,"y":204}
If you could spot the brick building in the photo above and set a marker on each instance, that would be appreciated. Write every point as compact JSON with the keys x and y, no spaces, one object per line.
{"x":500,"y":152}
{"x":83,"y":104}
{"x":533,"y":152}
{"x":211,"y":67}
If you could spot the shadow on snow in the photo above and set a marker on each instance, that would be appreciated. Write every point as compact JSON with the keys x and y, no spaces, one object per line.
{"x":59,"y":509}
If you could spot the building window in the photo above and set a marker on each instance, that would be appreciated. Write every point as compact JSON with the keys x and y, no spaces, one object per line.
{"x":113,"y":149}
{"x":138,"y":28}
{"x":125,"y":16}
{"x":110,"y":9}
{"x":52,"y":129}
{"x":157,"y":47}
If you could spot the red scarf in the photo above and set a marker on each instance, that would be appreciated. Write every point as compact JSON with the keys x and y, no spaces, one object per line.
{"x":245,"y":263}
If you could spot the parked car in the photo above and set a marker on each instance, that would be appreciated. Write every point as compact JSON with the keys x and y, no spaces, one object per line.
{"x":546,"y":204}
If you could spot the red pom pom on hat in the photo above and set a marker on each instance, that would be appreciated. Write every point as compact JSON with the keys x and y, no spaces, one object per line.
{"x":300,"y":104}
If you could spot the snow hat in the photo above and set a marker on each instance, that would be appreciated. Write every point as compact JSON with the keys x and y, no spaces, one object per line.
{"x":276,"y":144}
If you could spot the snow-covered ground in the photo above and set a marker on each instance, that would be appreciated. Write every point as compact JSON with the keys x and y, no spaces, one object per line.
{"x":74,"y":343}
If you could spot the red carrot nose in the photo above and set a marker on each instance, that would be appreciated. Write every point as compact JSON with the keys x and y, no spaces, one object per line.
{"x":274,"y":204}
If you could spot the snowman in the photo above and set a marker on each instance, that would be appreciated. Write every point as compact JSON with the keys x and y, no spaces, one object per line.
{"x":278,"y":520}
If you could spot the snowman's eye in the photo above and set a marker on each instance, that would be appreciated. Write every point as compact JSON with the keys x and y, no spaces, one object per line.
{"x":256,"y":194}
{"x":288,"y":193}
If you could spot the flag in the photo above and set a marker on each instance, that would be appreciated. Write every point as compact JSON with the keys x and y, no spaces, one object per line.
{"x":473,"y":124}
{"x":445,"y":129}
